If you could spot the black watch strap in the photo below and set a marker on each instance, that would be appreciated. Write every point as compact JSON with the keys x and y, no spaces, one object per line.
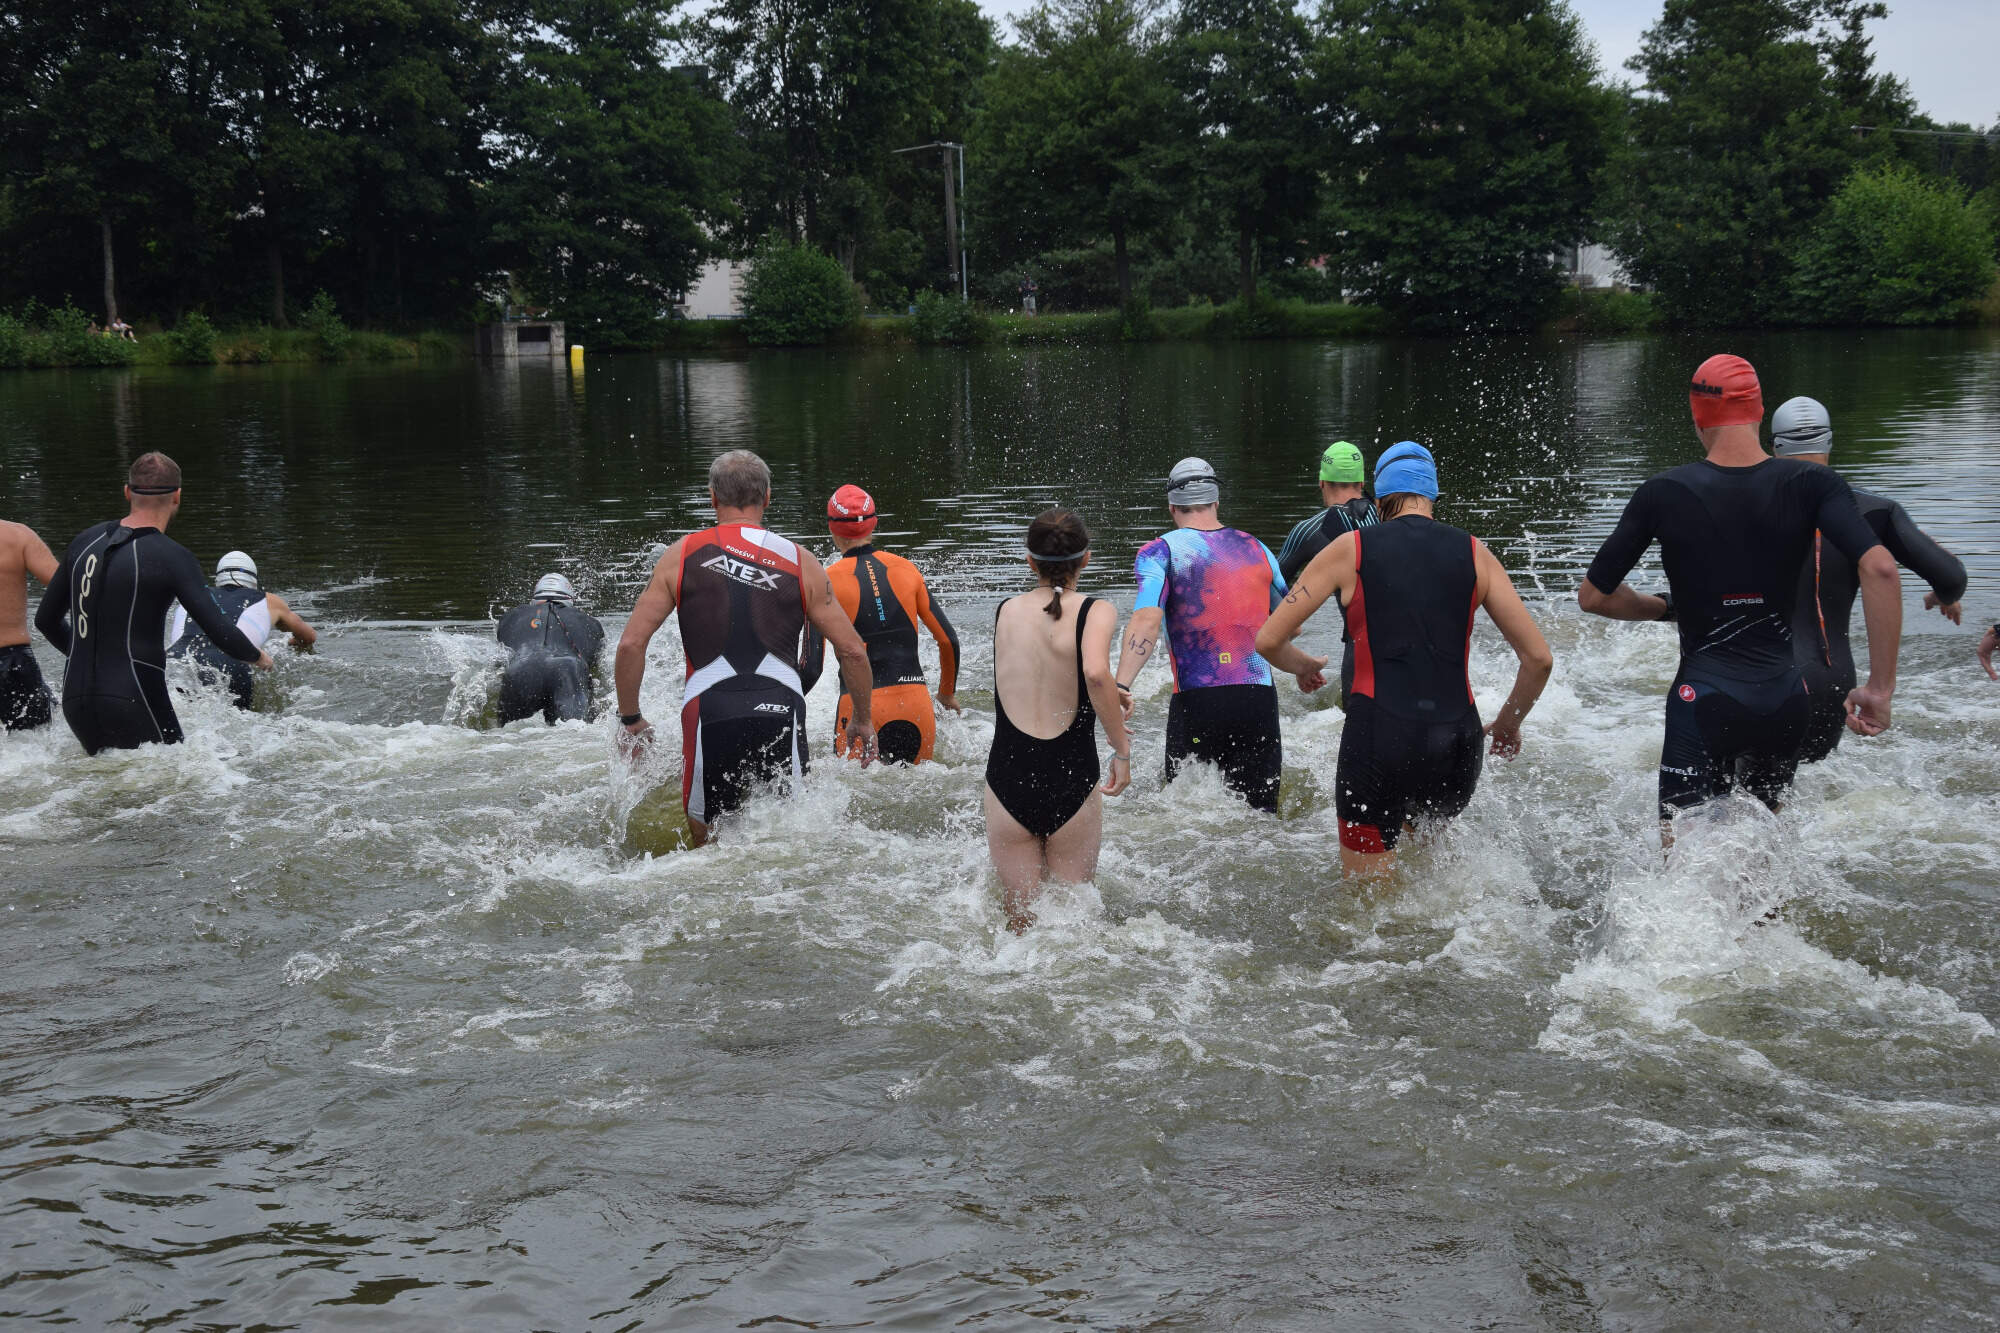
{"x":1668,"y":598}
{"x":631,"y":719}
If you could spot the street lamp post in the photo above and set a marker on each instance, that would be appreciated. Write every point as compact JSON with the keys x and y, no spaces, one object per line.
{"x":954,"y":244}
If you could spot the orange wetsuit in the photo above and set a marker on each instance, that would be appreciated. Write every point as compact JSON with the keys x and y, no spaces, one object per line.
{"x":885,"y":597}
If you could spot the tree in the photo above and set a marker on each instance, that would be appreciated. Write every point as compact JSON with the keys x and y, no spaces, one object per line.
{"x":1467,"y":134}
{"x":826,"y":92}
{"x":616,"y":169}
{"x":1243,"y":66}
{"x":107,"y":123}
{"x":1740,"y":135}
{"x":1895,"y":248}
{"x":1072,"y":141}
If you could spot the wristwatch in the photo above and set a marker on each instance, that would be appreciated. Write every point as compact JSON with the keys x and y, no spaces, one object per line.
{"x":1668,"y":598}
{"x":630,"y":719}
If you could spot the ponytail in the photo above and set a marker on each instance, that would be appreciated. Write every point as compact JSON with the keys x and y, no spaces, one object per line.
{"x":1057,"y":543}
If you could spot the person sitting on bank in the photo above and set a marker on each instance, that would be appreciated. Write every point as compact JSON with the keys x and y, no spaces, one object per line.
{"x":885,"y":596}
{"x":553,"y":651}
{"x":239,"y":595}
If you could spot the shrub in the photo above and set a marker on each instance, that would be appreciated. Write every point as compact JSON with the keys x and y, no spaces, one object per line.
{"x":193,"y":342}
{"x":14,"y":341}
{"x":946,"y":319}
{"x":1894,"y":247}
{"x":435,"y":346}
{"x":795,"y":295}
{"x":1609,"y":312}
{"x":246,"y":349}
{"x":67,"y":341}
{"x":323,"y":321}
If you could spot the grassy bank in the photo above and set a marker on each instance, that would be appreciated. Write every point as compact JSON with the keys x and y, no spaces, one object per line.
{"x":947,"y":323}
{"x":47,"y":338}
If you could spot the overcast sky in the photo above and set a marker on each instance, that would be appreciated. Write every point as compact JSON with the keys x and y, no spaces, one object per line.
{"x":1946,"y":50}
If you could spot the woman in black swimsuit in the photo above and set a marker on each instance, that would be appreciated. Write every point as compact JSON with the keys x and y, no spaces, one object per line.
{"x":1052,"y":659}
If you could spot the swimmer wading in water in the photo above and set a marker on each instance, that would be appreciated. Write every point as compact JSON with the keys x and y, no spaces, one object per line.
{"x":106,"y":609}
{"x":1408,"y":588}
{"x":886,"y":598}
{"x":744,"y":597}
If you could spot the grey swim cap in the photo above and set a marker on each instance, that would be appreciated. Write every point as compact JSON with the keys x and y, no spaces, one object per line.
{"x":554,"y":588}
{"x":1801,"y":426}
{"x":236,"y":570}
{"x":1191,"y":483}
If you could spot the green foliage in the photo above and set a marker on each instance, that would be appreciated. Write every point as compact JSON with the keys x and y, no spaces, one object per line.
{"x":42,"y":337}
{"x":1079,"y":134}
{"x":14,"y":342}
{"x":825,"y":91}
{"x":617,"y":170}
{"x":1894,"y":248}
{"x":435,"y":346}
{"x":796,"y":295}
{"x":1469,"y":135}
{"x":193,"y":341}
{"x":1244,"y":69}
{"x":946,"y":319}
{"x":1607,"y":311}
{"x":1742,"y":139}
{"x":323,"y":322}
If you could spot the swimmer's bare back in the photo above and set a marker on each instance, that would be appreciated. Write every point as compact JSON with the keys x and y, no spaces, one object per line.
{"x":21,"y":553}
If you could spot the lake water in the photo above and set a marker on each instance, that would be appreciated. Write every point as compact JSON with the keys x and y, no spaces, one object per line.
{"x":354,"y":1012}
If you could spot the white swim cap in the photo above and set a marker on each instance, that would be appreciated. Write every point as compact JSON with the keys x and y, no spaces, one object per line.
{"x":554,"y":588}
{"x":1801,"y":426}
{"x":236,"y":570}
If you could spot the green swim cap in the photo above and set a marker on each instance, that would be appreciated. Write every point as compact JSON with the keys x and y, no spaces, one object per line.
{"x":1342,"y":463}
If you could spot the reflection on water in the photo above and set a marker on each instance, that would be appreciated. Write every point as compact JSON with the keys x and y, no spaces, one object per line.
{"x":356,"y":1011}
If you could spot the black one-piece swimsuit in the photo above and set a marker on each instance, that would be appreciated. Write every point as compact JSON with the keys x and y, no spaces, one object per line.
{"x":1043,"y":783}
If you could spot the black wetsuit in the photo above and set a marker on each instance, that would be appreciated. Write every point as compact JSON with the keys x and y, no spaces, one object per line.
{"x":106,"y":609}
{"x":212,"y":665}
{"x":1311,"y":537}
{"x":1044,"y":783}
{"x":1733,"y":540}
{"x":1827,"y":588}
{"x":554,"y":652}
{"x":24,"y":700}
{"x":1411,"y":746}
{"x":1315,"y":534}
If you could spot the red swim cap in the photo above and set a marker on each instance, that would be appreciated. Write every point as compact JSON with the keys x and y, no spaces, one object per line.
{"x":1725,"y":392}
{"x":851,"y":512}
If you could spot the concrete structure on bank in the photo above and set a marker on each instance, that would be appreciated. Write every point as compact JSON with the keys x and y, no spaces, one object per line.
{"x":526,"y":338}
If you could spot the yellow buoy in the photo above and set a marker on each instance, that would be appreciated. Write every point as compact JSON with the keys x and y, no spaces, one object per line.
{"x":576,"y":356}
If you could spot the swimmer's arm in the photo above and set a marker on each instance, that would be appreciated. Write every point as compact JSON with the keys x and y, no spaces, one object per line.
{"x":650,"y":612}
{"x":947,"y":641}
{"x":1917,"y":551}
{"x":52,"y":616}
{"x":1142,"y":636}
{"x":36,"y":555}
{"x":827,"y":615}
{"x":287,"y":621}
{"x":1510,"y":616}
{"x":1622,"y":603}
{"x":1332,"y":569}
{"x":1604,"y":591}
{"x":1098,"y":627}
{"x":1882,"y":610}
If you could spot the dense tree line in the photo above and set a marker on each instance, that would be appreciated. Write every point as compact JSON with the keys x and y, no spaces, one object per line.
{"x":423,"y":160}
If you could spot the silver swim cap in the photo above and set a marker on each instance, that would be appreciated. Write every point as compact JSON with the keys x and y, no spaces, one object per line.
{"x":554,"y":588}
{"x":1192,"y":483}
{"x":1801,"y":426}
{"x":236,"y":570}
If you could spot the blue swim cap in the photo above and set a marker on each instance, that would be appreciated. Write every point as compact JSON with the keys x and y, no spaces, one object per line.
{"x":1406,"y":468}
